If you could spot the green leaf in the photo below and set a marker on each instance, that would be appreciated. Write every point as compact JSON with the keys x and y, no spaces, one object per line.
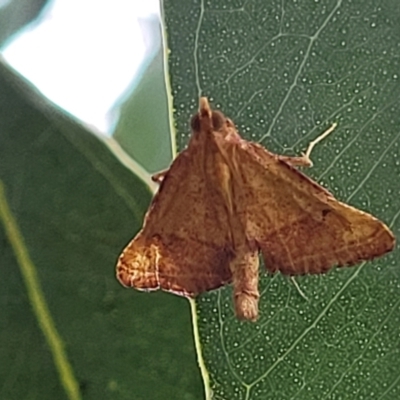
{"x":15,"y":14}
{"x":284,"y":71}
{"x":143,"y":126}
{"x":68,"y":330}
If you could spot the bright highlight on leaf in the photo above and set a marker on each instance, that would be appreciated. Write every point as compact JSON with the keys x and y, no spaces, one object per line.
{"x":223,"y":201}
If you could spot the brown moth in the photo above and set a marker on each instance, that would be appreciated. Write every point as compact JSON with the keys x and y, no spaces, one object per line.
{"x":223,"y":201}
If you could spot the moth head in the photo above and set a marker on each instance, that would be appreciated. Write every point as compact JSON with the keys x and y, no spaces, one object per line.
{"x":200,"y":122}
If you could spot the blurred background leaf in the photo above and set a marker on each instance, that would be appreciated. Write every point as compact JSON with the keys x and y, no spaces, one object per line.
{"x":143,"y":126}
{"x":77,"y":206}
{"x":15,"y":14}
{"x":284,"y":71}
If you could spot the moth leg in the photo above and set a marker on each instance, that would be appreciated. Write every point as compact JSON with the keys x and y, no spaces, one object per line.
{"x":245,"y":285}
{"x":297,"y":286}
{"x":159,"y":176}
{"x":305,"y":160}
{"x":302,"y":161}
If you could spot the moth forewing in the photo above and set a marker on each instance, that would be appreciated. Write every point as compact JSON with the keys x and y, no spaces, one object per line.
{"x":224,"y":200}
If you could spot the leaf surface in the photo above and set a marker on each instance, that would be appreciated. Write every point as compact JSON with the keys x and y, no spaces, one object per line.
{"x":283,"y":71}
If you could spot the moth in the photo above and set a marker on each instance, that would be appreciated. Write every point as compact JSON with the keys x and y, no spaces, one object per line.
{"x":225,"y":200}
